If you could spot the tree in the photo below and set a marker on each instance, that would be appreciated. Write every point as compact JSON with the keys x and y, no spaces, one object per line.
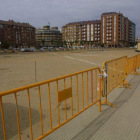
{"x":71,"y":43}
{"x":58,"y":42}
{"x":6,"y":44}
{"x":81,"y":43}
{"x":105,"y":44}
{"x":65,"y":43}
{"x":91,"y":43}
{"x":52,"y":42}
{"x":43,"y":42}
{"x":125,"y":43}
{"x":88,"y":43}
{"x":76,"y":42}
{"x":102,"y":45}
{"x":99,"y":43}
{"x":95,"y":43}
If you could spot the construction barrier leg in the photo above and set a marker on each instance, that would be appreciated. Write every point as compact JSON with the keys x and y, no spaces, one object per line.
{"x":106,"y":102}
{"x":124,"y":84}
{"x":135,"y":72}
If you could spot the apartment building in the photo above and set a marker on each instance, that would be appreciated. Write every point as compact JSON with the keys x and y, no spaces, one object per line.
{"x":77,"y":33}
{"x":112,"y":30}
{"x":17,"y":34}
{"x":116,"y":30}
{"x":132,"y":29}
{"x":51,"y":36}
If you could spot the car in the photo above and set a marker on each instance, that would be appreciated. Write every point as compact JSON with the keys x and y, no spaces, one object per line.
{"x":49,"y":49}
{"x":32,"y":49}
{"x":42,"y":49}
{"x":22,"y":49}
{"x":56,"y":49}
{"x":28,"y":50}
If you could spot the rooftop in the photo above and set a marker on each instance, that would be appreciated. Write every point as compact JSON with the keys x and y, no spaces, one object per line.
{"x":109,"y":13}
{"x":11,"y":22}
{"x":85,"y":22}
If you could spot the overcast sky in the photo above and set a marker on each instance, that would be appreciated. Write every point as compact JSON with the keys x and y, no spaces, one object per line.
{"x":61,"y":12}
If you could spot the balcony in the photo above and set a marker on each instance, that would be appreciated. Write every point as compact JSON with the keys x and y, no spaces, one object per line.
{"x":109,"y":21}
{"x":109,"y":25}
{"x":109,"y":17}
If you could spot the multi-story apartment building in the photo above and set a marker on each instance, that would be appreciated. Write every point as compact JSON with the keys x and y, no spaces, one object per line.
{"x":51,"y":36}
{"x":116,"y":30}
{"x":132,"y":29}
{"x":82,"y":32}
{"x":112,"y":30}
{"x":17,"y":34}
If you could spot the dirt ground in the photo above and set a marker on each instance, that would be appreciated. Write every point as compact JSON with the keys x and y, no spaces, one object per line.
{"x":18,"y":69}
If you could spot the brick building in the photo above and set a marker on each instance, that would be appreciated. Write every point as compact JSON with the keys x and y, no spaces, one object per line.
{"x":17,"y":34}
{"x":87,"y":32}
{"x":112,"y":30}
{"x":116,"y":30}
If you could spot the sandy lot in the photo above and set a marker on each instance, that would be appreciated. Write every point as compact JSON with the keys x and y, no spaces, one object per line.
{"x":18,"y":70}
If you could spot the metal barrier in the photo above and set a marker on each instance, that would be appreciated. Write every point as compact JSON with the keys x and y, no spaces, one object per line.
{"x":131,"y":62}
{"x":137,"y":61}
{"x":137,"y":64}
{"x":78,"y":90}
{"x":114,"y":72}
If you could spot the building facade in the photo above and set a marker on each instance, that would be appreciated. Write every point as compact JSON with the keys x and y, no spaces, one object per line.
{"x":17,"y":34}
{"x":116,"y":30}
{"x":132,"y":29}
{"x":112,"y":30}
{"x":51,"y":36}
{"x":84,"y":32}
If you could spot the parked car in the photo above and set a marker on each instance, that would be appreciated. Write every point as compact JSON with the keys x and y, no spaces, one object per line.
{"x":42,"y":49}
{"x":56,"y":49}
{"x":32,"y":49}
{"x":28,"y":50}
{"x":22,"y":49}
{"x":49,"y":49}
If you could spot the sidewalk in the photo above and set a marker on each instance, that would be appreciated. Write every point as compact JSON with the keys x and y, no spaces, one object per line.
{"x":121,"y":123}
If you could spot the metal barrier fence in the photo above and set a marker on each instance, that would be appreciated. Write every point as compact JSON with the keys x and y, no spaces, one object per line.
{"x":77,"y":91}
{"x":137,"y":61}
{"x":131,"y":62}
{"x":115,"y":71}
{"x":64,"y":98}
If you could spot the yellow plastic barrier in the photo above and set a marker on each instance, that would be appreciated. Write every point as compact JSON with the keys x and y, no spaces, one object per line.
{"x":79,"y":88}
{"x":114,"y":72}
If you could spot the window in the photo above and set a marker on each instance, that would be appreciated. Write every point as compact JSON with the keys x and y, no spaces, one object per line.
{"x":1,"y":26}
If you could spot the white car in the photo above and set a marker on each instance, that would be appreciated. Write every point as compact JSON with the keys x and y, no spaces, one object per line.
{"x":42,"y":49}
{"x":57,"y":49}
{"x":22,"y":49}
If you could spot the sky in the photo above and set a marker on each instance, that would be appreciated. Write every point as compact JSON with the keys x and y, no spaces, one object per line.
{"x":60,"y":12}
